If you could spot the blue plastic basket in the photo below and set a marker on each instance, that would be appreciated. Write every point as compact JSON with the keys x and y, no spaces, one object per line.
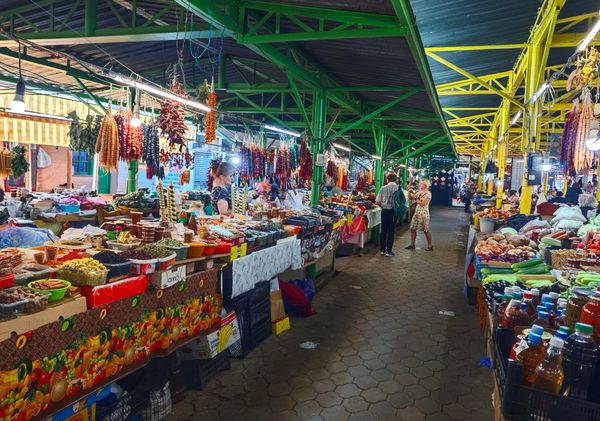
{"x":70,"y":208}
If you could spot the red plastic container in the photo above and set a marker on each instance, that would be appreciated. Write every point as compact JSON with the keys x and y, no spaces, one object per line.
{"x":213,"y":248}
{"x":222,"y":248}
{"x":109,"y":293}
{"x":7,"y":281}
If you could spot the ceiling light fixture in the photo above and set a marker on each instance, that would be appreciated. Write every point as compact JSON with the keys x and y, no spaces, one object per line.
{"x":135,"y":121}
{"x":284,"y":131}
{"x":33,"y":114}
{"x":540,"y":91}
{"x":590,"y":36}
{"x":342,"y":147}
{"x":18,"y":104}
{"x":159,"y":92}
{"x":516,"y":118}
{"x":546,"y":166}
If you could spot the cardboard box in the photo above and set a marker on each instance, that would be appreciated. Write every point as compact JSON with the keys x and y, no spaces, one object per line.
{"x":277,"y":307}
{"x":83,"y":410}
{"x":27,"y":322}
{"x":167,"y":278}
{"x":281,"y":325}
{"x":215,"y":342}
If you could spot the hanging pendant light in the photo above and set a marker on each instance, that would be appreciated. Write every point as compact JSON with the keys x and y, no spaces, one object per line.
{"x":18,"y":105}
{"x":135,"y":121}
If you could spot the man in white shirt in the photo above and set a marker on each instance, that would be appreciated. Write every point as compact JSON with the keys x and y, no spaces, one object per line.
{"x":385,"y":199}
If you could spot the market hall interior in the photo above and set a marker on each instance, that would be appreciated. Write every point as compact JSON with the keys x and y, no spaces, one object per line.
{"x":396,"y":339}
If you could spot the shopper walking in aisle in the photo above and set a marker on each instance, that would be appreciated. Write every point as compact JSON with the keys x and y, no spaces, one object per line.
{"x":222,"y":174}
{"x":466,"y":196}
{"x":385,"y":199}
{"x":420,"y":221}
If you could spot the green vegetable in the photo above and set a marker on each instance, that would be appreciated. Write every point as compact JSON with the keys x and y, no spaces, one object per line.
{"x":534,"y":270}
{"x":510,"y":278}
{"x":527,"y":263}
{"x":551,"y":242}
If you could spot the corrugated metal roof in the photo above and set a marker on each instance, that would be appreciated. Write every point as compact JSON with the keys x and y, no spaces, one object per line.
{"x":352,"y":63}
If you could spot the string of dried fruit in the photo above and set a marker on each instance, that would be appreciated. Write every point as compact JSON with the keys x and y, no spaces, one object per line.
{"x":573,"y":139}
{"x":107,"y":143}
{"x":5,"y":163}
{"x":171,"y":203}
{"x":305,"y":162}
{"x":565,"y":141}
{"x":245,"y":163}
{"x":171,"y":120}
{"x":585,"y":157}
{"x":161,"y":200}
{"x":122,"y":128}
{"x":134,"y":143}
{"x":151,"y":150}
{"x":211,"y":117}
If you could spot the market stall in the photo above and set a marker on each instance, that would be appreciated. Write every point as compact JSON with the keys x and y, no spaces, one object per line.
{"x":537,"y":289}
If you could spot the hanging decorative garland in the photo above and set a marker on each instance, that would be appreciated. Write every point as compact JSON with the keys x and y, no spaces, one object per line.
{"x":305,"y":162}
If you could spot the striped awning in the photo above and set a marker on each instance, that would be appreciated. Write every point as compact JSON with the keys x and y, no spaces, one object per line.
{"x":35,"y":130}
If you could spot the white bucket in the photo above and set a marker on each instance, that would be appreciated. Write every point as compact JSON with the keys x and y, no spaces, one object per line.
{"x":486,"y":224}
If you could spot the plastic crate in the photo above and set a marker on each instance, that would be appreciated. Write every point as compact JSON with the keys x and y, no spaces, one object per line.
{"x":260,"y":313}
{"x":125,"y":408}
{"x":260,"y":332}
{"x":259,"y":293}
{"x":199,"y":372}
{"x":524,"y":403}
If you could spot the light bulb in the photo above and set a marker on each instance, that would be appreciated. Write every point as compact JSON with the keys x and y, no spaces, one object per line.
{"x":18,"y":105}
{"x":235,"y":159}
{"x":135,"y":122}
{"x":546,"y":166}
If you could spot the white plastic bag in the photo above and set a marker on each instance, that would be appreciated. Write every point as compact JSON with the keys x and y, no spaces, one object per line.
{"x":43,"y":159}
{"x":568,"y":224}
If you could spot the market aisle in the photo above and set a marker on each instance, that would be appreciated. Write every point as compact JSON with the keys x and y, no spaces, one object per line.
{"x":384,"y":351}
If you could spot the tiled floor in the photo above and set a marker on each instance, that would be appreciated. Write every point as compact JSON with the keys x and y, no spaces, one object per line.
{"x":384,"y":351}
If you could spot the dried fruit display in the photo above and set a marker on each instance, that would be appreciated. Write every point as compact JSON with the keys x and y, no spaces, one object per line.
{"x":107,"y":143}
{"x":584,"y":157}
{"x":171,"y":120}
{"x":211,"y":118}
{"x":586,"y":69}
{"x":305,"y":162}
{"x":151,"y":150}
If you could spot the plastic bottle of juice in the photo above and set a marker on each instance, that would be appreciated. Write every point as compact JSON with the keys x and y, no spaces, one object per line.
{"x":561,"y":303}
{"x":514,"y":316}
{"x":551,"y":310}
{"x":535,"y":329}
{"x":546,"y":298}
{"x":563,"y":332}
{"x":528,"y":299}
{"x":554,"y":296}
{"x":502,"y":307}
{"x":536,"y":296}
{"x":530,"y":355}
{"x":559,"y":320}
{"x":549,"y":373}
{"x":590,"y":314}
{"x":580,"y":356}
{"x":542,"y":319}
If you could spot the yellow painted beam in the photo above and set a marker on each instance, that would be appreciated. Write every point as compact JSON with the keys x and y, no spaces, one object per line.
{"x":571,"y":40}
{"x":476,"y":47}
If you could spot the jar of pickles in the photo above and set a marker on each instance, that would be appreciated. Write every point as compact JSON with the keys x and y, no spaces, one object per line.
{"x":578,"y":298}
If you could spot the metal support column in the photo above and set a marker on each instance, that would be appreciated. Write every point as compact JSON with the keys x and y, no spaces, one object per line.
{"x":132,"y":178}
{"x":316,"y":144}
{"x":89,"y":26}
{"x":379,"y":163}
{"x":502,"y":151}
